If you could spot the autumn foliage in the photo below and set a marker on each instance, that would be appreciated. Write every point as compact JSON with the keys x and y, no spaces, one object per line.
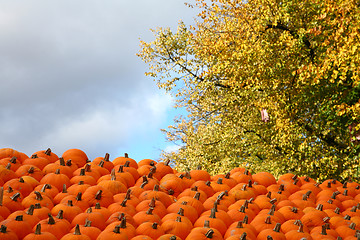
{"x":269,"y":85}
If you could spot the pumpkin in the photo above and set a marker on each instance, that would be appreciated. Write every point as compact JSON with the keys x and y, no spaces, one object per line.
{"x":125,"y":227}
{"x":77,"y":156}
{"x":106,"y":162}
{"x":153,"y":230}
{"x":177,"y":227}
{"x":76,"y":235}
{"x":96,"y":218}
{"x":114,"y":234}
{"x":20,"y":227}
{"x":55,"y":225}
{"x":7,"y":234}
{"x":88,"y":230}
{"x":38,"y":235}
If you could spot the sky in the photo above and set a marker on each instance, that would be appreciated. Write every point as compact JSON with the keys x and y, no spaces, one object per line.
{"x":70,"y":77}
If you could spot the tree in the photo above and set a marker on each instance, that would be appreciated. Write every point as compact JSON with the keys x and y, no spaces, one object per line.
{"x":271,"y":85}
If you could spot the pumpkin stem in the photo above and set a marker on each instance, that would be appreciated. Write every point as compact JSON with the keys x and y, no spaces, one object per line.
{"x":326,"y":219}
{"x":277,"y":227}
{"x":19,"y":218}
{"x":127,"y":163}
{"x":150,"y":211}
{"x":34,"y":156}
{"x":352,"y":226}
{"x":77,"y":230}
{"x":117,"y":229}
{"x":195,"y":188}
{"x":282,"y":187}
{"x":87,"y":223}
{"x":107,"y":157}
{"x":246,"y":219}
{"x":239,"y":224}
{"x":30,"y":211}
{"x":61,"y":161}
{"x":51,"y":220}
{"x":31,"y":170}
{"x":206,"y":224}
{"x":227,"y":175}
{"x":156,"y":188}
{"x":82,"y":172}
{"x":154,"y":225}
{"x":121,"y":169}
{"x":97,"y":205}
{"x":304,"y":197}
{"x":37,"y":205}
{"x":98,"y":195}
{"x":269,"y":237}
{"x":268,"y":195}
{"x":216,"y":203}
{"x":197,"y":195}
{"x":242,"y":209}
{"x":70,"y":203}
{"x":152,"y":203}
{"x":60,"y":214}
{"x":113,"y":176}
{"x":301,"y":228}
{"x":250,"y":185}
{"x":173,"y":237}
{"x":294,"y":209}
{"x":243,"y":236}
{"x":209,"y":234}
{"x":298,"y":222}
{"x":123,"y":223}
{"x":123,"y":203}
{"x":306,"y":179}
{"x":167,"y":162}
{"x":178,"y":219}
{"x":296,"y":181}
{"x":3,"y":229}
{"x":212,"y":213}
{"x":181,"y":212}
{"x":337,"y":210}
{"x":128,"y":194}
{"x":171,"y":192}
{"x":219,"y":181}
{"x":15,"y":197}
{"x":323,"y":230}
{"x":273,"y":201}
{"x":347,"y":217}
{"x":38,"y":229}
{"x":87,"y":167}
{"x":64,"y":189}
{"x":45,"y":186}
{"x":208,"y":183}
{"x":89,"y":210}
{"x":38,"y":196}
{"x":268,"y":220}
{"x":13,"y":160}
{"x":319,"y":207}
{"x":79,"y":196}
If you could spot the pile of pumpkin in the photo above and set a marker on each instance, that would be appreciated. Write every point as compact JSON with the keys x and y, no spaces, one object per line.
{"x":69,"y":197}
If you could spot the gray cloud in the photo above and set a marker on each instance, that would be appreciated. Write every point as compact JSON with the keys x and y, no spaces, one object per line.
{"x":69,"y":76}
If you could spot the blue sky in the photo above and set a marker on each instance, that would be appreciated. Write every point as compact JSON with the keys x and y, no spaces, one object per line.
{"x":70,"y":77}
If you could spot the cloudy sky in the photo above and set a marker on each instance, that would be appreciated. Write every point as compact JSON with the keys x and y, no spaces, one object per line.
{"x":70,"y":77}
